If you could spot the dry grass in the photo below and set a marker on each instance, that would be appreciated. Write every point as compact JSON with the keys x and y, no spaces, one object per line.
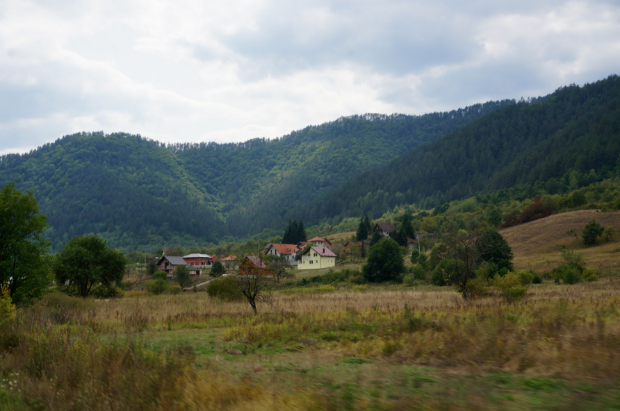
{"x":536,"y":245}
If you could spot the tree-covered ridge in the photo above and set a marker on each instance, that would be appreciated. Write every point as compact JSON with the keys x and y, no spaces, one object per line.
{"x":577,"y":128}
{"x":139,"y":193}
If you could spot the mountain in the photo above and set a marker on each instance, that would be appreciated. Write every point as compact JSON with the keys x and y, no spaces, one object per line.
{"x":528,"y":144}
{"x":142,"y":194}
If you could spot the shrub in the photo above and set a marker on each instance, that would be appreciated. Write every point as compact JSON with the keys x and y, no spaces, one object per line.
{"x":408,"y":280}
{"x":360,"y":288}
{"x":537,"y":279}
{"x":157,"y":286}
{"x":567,"y":274}
{"x":437,"y":278}
{"x":414,"y":256}
{"x":589,"y":275}
{"x":101,"y":291}
{"x":175,"y":289}
{"x":225,"y":288}
{"x":419,"y":272}
{"x":591,"y":232}
{"x":525,"y":277}
{"x":510,"y":285}
{"x":160,"y":275}
{"x":476,"y":287}
{"x":7,"y":308}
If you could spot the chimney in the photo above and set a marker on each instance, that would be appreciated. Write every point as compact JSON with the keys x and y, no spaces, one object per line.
{"x":323,"y":250}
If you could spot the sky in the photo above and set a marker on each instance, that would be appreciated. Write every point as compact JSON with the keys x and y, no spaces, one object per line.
{"x":195,"y":70}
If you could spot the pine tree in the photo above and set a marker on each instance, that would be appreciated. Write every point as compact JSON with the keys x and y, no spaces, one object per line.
{"x":302,"y":233}
{"x":362,"y":231}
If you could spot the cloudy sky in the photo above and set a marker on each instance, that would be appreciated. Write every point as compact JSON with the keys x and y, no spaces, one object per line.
{"x":195,"y":70}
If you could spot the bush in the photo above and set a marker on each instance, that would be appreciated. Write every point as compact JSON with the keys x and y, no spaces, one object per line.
{"x":160,"y":275}
{"x":7,"y":308}
{"x":101,"y":291}
{"x":437,"y":278}
{"x":537,"y":279}
{"x":157,"y":286}
{"x":567,"y":274}
{"x":225,"y":288}
{"x":408,"y":280}
{"x":476,"y":287}
{"x":589,"y":275}
{"x":175,"y":289}
{"x":419,"y":272}
{"x":510,"y":285}
{"x":414,"y":256}
{"x":591,"y":232}
{"x":525,"y":277}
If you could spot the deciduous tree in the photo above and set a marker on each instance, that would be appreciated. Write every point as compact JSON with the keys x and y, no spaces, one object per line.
{"x":23,"y":261}
{"x":385,"y":262}
{"x":86,"y":261}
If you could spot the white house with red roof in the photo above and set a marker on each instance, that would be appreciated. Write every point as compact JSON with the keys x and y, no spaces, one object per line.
{"x":317,"y":257}
{"x":289,"y":251}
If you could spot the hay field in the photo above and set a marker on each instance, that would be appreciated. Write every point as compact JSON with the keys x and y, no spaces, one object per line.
{"x":537,"y":245}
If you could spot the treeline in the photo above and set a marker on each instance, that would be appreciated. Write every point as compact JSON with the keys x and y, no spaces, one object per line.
{"x":142,"y":194}
{"x":530,"y":145}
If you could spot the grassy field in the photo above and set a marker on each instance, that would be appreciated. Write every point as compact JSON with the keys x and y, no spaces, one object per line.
{"x":537,"y":245}
{"x":383,"y":347}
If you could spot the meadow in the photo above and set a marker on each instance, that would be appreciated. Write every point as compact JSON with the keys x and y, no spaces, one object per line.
{"x":340,"y":347}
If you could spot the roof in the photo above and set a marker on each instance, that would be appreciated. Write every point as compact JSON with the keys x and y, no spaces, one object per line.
{"x":323,"y":252}
{"x":197,"y":256}
{"x":173,"y":260}
{"x":410,"y":240}
{"x":258,"y":263}
{"x":229,"y":258}
{"x":315,"y":239}
{"x":387,"y":227}
{"x":357,"y":243}
{"x":284,"y":248}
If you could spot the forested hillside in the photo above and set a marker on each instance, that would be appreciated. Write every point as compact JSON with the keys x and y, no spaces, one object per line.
{"x":140,"y":194}
{"x":526,"y":144}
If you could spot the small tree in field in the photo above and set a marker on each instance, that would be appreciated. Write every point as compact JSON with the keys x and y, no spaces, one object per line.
{"x":591,"y":232}
{"x":460,"y":257}
{"x":279,"y":266}
{"x":217,"y":269}
{"x":385,"y":262}
{"x":255,"y":288}
{"x":87,"y":261}
{"x":181,"y":275}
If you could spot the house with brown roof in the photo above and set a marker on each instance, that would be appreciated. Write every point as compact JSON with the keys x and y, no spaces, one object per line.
{"x":320,"y":242}
{"x":384,"y":228}
{"x":289,"y":251}
{"x":317,"y":257}
{"x":168,"y":263}
{"x":229,"y":262}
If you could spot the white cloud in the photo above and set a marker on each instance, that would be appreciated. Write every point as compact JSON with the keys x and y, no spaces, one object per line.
{"x":229,"y":71}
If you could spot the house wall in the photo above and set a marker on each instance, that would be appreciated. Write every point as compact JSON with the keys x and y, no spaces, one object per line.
{"x":313,"y":261}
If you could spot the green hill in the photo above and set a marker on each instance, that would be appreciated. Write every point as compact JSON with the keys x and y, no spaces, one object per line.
{"x":530,"y":145}
{"x":141,"y":194}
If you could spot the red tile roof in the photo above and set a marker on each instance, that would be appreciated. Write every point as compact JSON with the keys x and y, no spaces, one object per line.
{"x":231,"y":258}
{"x":284,"y":248}
{"x":315,"y":239}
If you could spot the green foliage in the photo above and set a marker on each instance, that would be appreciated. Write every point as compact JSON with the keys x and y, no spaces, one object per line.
{"x":409,"y":280}
{"x":376,"y":237}
{"x":363,"y":228}
{"x":109,"y":291}
{"x":537,"y":279}
{"x":573,"y":129}
{"x":419,"y":272}
{"x":217,"y":269}
{"x":567,"y":274}
{"x":87,"y":261}
{"x":7,"y":308}
{"x":182,"y":276}
{"x":160,"y":275}
{"x":591,"y":232}
{"x":573,"y":258}
{"x":494,"y":248}
{"x":175,"y":289}
{"x":609,"y":233}
{"x":225,"y":288}
{"x":280,"y":266}
{"x":589,"y":275}
{"x":23,"y":265}
{"x":157,"y":286}
{"x":414,"y":256}
{"x":294,"y":233}
{"x":385,"y":262}
{"x":151,"y":266}
{"x":511,"y":285}
{"x":525,"y":277}
{"x":438,"y":278}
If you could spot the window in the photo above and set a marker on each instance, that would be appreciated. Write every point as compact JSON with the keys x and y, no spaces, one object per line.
{"x":311,"y":261}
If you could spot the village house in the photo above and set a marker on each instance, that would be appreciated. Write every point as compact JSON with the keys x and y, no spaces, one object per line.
{"x":167,"y":264}
{"x":384,"y":228}
{"x":199,"y":260}
{"x":229,"y":262}
{"x":254,"y":266}
{"x":317,"y":257}
{"x":320,"y":242}
{"x":289,"y":251}
{"x":350,"y":243}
